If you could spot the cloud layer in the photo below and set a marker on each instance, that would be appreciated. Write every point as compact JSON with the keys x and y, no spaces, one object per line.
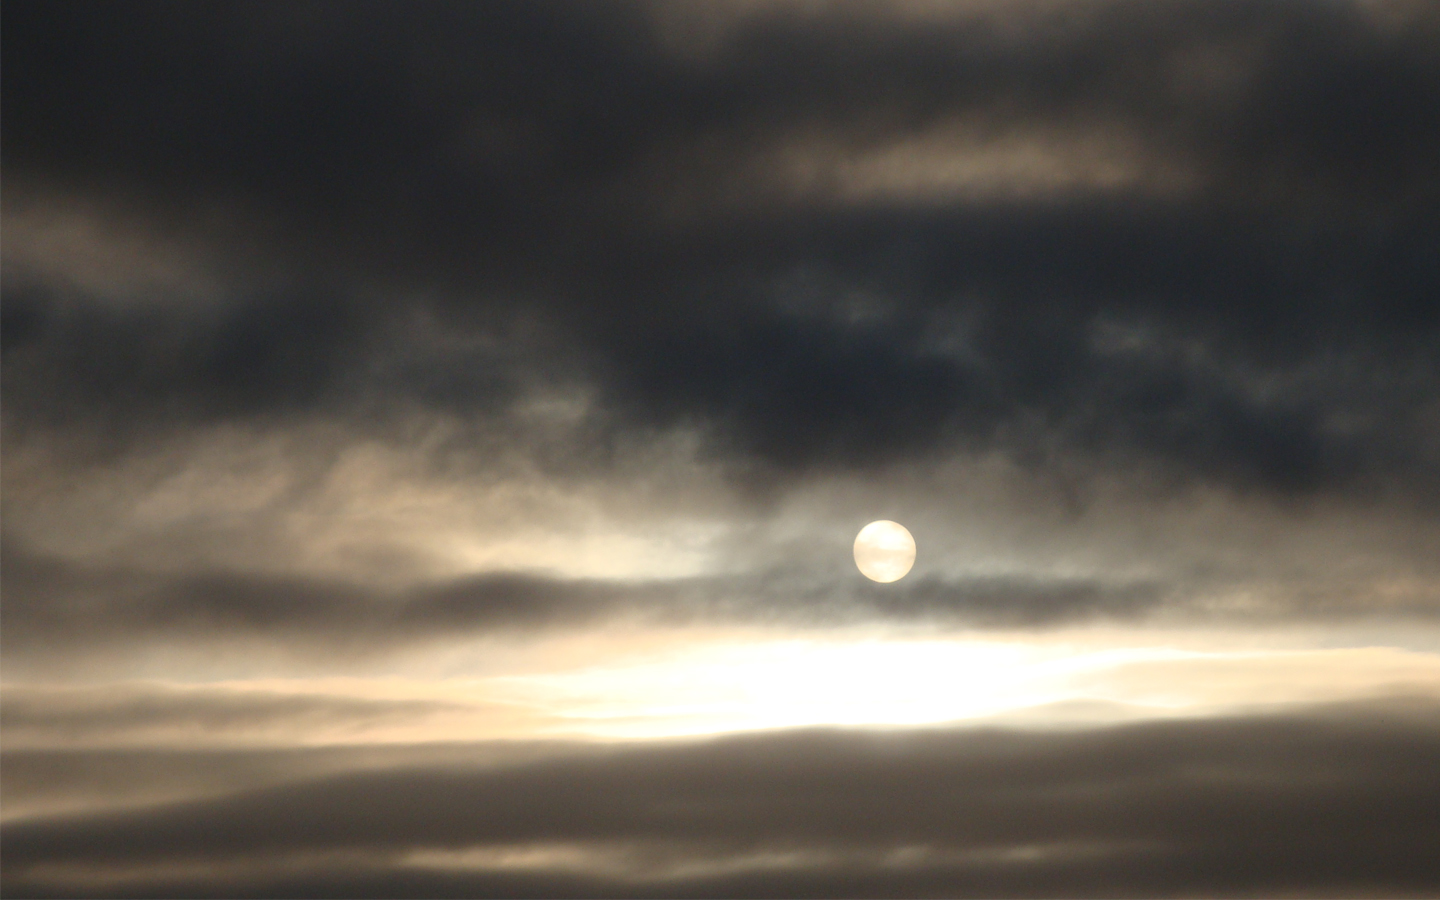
{"x":1270,"y":326}
{"x":541,"y":347}
{"x":1337,"y":800}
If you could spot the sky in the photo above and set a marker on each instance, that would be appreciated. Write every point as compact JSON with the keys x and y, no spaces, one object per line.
{"x":434,"y":436}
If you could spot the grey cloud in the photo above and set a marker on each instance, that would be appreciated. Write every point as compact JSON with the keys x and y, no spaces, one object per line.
{"x":60,"y":609}
{"x":64,"y":777}
{"x":1326,"y":801}
{"x":509,"y":172}
{"x":1184,"y":257}
{"x":119,"y":713}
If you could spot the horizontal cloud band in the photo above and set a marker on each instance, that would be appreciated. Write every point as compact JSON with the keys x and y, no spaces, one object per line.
{"x":1334,"y":796}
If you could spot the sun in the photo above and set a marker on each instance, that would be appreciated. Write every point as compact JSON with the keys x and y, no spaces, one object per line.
{"x":884,"y":551}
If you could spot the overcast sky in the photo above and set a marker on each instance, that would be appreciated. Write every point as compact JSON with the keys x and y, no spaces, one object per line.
{"x":434,"y":437}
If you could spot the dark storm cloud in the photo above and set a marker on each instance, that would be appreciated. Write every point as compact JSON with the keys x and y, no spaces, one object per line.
{"x":271,"y":353}
{"x":1327,"y":801}
{"x":1271,"y":323}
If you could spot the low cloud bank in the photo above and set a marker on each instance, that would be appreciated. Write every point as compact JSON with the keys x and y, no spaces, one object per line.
{"x":1329,"y":800}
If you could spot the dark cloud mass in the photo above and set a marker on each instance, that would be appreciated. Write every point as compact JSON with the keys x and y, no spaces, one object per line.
{"x":1270,"y":322}
{"x":1332,"y":799}
{"x":402,"y":366}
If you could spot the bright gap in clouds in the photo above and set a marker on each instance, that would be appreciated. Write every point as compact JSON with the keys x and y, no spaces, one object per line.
{"x":652,"y":684}
{"x":798,"y":682}
{"x":794,"y":683}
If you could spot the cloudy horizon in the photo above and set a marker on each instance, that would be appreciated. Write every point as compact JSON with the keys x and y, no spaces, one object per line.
{"x":434,"y":437}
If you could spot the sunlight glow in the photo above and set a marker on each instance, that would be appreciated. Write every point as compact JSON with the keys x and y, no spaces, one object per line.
{"x":912,"y":682}
{"x":796,"y":683}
